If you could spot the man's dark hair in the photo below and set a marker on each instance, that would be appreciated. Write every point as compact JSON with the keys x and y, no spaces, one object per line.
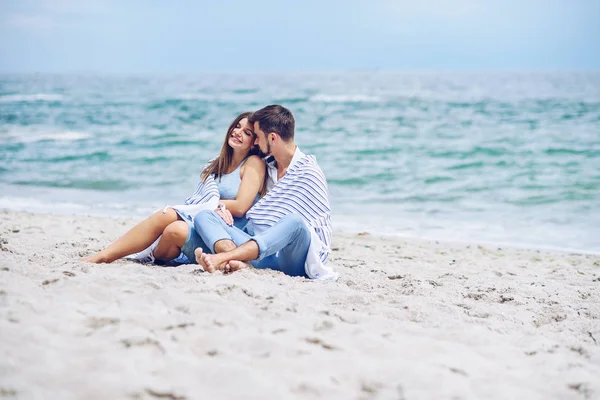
{"x":275,"y":118}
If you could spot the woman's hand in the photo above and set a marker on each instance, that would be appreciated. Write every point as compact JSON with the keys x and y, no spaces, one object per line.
{"x":252,"y":175}
{"x":225,"y":214}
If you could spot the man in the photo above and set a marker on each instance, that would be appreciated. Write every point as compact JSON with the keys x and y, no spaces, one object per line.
{"x":289,"y":229}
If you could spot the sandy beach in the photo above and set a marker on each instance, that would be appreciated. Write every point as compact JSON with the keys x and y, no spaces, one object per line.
{"x":408,"y":319}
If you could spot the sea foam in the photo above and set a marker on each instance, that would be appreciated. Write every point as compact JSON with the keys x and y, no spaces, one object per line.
{"x":30,"y":136}
{"x":357,"y":98}
{"x":30,"y":98}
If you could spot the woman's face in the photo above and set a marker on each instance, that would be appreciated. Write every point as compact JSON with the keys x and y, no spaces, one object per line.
{"x":242,"y":137}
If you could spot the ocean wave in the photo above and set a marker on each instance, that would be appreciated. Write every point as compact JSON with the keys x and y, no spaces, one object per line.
{"x":363,"y":180}
{"x":476,"y":151}
{"x":290,"y":100}
{"x":230,"y":97}
{"x":33,"y":136}
{"x":357,"y":98}
{"x":438,"y":179}
{"x":35,"y":205}
{"x":577,"y":152}
{"x":536,"y":200}
{"x":95,"y":156}
{"x":152,"y":160}
{"x":380,"y":152}
{"x":30,"y":98}
{"x":191,"y":96}
{"x":181,"y":98}
{"x":98,"y":208}
{"x":163,"y":144}
{"x":394,"y":197}
{"x":102,"y":185}
{"x":245,"y":91}
{"x":462,"y":166}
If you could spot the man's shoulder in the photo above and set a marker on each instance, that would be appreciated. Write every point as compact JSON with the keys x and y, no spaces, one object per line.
{"x":308,"y":164}
{"x":309,"y":173}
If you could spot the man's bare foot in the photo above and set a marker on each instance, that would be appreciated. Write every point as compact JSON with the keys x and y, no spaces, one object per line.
{"x":235,"y":265}
{"x":198,"y":253}
{"x":213,"y":262}
{"x":210,"y":262}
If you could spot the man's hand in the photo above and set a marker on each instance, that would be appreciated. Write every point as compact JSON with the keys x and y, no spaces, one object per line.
{"x":225,"y":215}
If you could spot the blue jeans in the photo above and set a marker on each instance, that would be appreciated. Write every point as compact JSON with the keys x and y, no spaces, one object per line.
{"x":282,"y":247}
{"x":192,"y":242}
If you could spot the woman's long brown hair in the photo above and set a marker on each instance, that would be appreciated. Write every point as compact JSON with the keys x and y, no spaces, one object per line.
{"x":220,"y":165}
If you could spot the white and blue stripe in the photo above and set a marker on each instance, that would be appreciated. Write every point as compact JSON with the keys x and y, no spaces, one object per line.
{"x":302,"y":190}
{"x":205,"y":197}
{"x":205,"y":191}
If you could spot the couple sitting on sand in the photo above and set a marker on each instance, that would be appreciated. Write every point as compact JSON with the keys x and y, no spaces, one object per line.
{"x":245,"y":211}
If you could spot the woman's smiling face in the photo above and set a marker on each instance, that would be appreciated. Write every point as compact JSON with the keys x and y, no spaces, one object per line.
{"x":241,"y":137}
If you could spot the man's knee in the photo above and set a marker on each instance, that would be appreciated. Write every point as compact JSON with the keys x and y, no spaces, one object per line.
{"x":204,"y":217}
{"x":293,"y":220}
{"x":295,"y":223}
{"x":224,"y":245}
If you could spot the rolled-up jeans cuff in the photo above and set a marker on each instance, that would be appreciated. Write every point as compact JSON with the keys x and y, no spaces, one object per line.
{"x":192,"y":242}
{"x":262,"y":247}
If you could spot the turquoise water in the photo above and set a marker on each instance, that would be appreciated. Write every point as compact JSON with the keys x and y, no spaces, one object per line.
{"x":490,"y":157}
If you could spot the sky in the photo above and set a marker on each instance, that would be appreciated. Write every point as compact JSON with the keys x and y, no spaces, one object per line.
{"x":131,"y":36}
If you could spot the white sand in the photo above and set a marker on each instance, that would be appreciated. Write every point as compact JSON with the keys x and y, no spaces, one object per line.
{"x":407,"y":320}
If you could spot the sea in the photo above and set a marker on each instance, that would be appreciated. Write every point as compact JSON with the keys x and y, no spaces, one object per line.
{"x":505,"y":158}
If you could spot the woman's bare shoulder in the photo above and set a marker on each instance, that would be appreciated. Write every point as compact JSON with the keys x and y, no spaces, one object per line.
{"x":255,"y":161}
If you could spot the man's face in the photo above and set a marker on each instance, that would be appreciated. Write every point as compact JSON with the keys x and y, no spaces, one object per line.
{"x":261,"y":140}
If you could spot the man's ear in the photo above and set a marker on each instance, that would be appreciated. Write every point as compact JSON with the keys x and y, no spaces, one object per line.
{"x":272,"y":136}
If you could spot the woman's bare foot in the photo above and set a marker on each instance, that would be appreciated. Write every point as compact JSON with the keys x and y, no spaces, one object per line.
{"x":97,"y":258}
{"x":137,"y":238}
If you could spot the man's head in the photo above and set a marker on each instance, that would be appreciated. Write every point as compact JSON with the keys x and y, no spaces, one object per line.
{"x":273,"y":125}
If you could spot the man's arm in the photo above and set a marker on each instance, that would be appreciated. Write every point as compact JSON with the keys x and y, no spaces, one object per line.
{"x":246,"y":252}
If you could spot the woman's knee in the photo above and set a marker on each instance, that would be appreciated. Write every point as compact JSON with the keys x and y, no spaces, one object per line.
{"x":164,"y":218}
{"x":176,"y":232}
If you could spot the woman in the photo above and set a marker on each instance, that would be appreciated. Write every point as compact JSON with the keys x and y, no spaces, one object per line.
{"x":239,"y":175}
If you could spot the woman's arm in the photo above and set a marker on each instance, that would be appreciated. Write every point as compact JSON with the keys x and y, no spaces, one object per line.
{"x":253,"y":177}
